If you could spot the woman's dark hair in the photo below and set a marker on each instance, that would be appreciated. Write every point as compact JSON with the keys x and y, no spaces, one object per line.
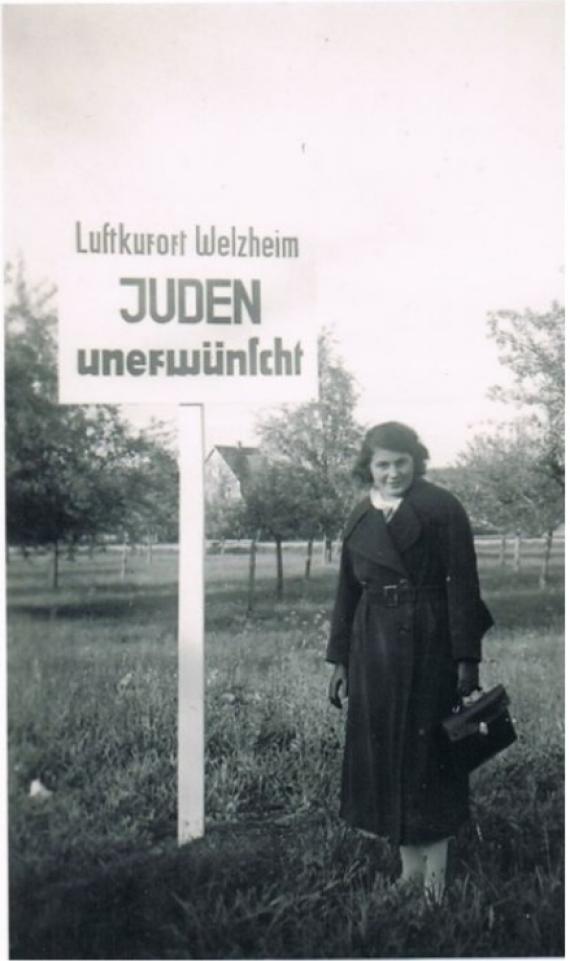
{"x":390,"y":436}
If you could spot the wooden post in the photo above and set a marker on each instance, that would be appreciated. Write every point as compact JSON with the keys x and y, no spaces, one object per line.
{"x":279,"y":559}
{"x":191,"y":625}
{"x":545,"y":560}
{"x":251,"y":575}
{"x":55,"y":566}
{"x":124,"y":549}
{"x":308,"y":558}
{"x":517,"y":552}
{"x":149,"y":547}
{"x":502,"y":550}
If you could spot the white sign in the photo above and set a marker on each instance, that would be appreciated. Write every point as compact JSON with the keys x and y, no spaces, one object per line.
{"x":205,"y":314}
{"x":194,"y":316}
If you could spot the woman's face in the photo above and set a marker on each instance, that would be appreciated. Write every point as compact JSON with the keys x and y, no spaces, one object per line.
{"x":392,"y":472}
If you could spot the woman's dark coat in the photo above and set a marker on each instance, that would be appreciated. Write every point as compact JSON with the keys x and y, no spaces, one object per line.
{"x":401,"y":649}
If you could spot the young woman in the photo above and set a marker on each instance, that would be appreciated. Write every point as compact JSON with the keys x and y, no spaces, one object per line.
{"x":406,"y":642}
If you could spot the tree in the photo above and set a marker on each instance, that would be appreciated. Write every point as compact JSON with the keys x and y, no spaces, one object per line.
{"x":531,"y":345}
{"x":503,"y":484}
{"x":70,"y":470}
{"x":319,"y":439}
{"x":224,"y":518}
{"x":147,"y":490}
{"x":278,"y":504}
{"x":224,"y":508}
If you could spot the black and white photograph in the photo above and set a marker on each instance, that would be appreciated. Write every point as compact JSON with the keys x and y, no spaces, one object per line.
{"x":284,"y":479}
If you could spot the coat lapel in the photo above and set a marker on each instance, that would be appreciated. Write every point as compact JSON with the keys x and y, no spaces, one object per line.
{"x":367,"y":534}
{"x":405,"y":526}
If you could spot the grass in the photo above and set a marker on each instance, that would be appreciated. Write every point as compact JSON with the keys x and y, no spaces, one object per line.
{"x":95,"y":869}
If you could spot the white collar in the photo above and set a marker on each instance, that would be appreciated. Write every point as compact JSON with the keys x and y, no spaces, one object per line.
{"x":384,"y":503}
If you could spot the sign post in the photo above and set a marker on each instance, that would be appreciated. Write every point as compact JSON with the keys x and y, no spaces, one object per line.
{"x":220,"y":322}
{"x":191,"y":624}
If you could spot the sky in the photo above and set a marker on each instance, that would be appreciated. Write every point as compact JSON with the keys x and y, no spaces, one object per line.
{"x":414,"y":147}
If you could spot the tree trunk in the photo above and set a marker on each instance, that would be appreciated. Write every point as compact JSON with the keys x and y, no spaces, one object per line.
{"x":503,"y":550}
{"x":149,"y":551}
{"x":55,"y":566}
{"x":251,"y":576}
{"x":308,"y":559}
{"x":124,"y":558}
{"x":517,"y":553}
{"x":327,"y":549}
{"x":545,"y":560}
{"x":279,"y":558}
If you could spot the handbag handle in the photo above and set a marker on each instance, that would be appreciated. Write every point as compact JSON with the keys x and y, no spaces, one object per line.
{"x":460,"y":705}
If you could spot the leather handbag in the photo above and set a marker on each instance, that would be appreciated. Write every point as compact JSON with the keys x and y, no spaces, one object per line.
{"x":476,"y":732}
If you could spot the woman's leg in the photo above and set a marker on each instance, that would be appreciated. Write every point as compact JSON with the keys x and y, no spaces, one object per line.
{"x":413,"y":861}
{"x":436,"y":868}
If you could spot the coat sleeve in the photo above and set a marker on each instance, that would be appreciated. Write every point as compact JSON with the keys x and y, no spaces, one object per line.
{"x":348,"y":593}
{"x":469,"y":617}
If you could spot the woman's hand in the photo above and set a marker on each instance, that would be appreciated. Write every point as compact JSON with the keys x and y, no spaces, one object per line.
{"x":467,"y":677}
{"x":338,"y":686}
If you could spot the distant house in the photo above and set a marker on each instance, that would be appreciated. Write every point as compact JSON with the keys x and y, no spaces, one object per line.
{"x":227,"y":468}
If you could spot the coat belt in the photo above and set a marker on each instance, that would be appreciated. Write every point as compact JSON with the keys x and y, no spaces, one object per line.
{"x":392,"y":595}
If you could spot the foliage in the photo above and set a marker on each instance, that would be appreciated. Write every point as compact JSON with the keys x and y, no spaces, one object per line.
{"x":504,"y":484}
{"x":72,"y":472}
{"x":58,"y":458}
{"x":224,"y":504}
{"x":531,"y":345}
{"x":224,"y":517}
{"x":280,"y":501}
{"x":95,"y":870}
{"x":319,"y":439}
{"x":148,"y":488}
{"x":513,"y":479}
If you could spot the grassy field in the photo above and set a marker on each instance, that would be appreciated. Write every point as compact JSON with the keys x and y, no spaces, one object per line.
{"x":95,"y":869}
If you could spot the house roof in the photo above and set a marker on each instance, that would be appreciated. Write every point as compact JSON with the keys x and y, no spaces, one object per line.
{"x":239,"y":459}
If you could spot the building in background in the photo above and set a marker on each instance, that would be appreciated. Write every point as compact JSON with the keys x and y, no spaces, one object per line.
{"x":226,"y":469}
